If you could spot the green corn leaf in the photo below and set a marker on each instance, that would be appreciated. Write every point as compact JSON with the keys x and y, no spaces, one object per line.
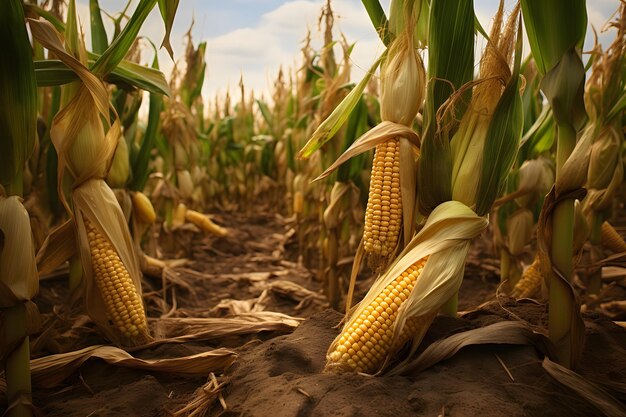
{"x":339,"y":116}
{"x":450,"y":53}
{"x":33,"y":9}
{"x":266,"y":113}
{"x":54,"y":72}
{"x":18,"y":97}
{"x":353,"y":131}
{"x":99,"y":42}
{"x":140,"y":167}
{"x":539,"y":137}
{"x":450,"y":66}
{"x":564,"y":87}
{"x":379,"y":20}
{"x":503,"y":138}
{"x":168,"y":11}
{"x":553,"y":27}
{"x":123,"y":42}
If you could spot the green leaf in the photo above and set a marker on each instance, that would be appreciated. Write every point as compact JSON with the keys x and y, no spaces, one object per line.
{"x":564,"y":87}
{"x":554,"y":27}
{"x":339,"y":116}
{"x":450,"y":53}
{"x":53,"y":72}
{"x":123,"y":42}
{"x":31,"y":8}
{"x":266,"y":113}
{"x":379,"y":20}
{"x":140,"y":168}
{"x":450,"y":66}
{"x":99,"y":40}
{"x":502,"y":141}
{"x":18,"y":96}
{"x":168,"y":11}
{"x":352,"y":132}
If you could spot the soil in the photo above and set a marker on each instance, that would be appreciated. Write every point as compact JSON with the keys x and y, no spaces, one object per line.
{"x":278,"y":371}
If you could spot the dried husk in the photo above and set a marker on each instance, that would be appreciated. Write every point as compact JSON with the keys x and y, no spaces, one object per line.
{"x":19,"y":281}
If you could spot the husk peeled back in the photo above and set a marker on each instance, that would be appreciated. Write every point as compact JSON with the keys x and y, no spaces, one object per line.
{"x":19,"y":281}
{"x":95,"y":201}
{"x":445,"y":239}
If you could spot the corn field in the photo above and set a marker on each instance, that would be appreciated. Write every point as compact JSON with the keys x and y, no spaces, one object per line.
{"x":441,"y":236}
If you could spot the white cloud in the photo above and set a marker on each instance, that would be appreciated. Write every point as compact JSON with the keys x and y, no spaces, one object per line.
{"x":258,"y":52}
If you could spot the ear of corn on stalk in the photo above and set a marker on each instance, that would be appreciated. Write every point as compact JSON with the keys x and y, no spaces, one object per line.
{"x":427,"y":273}
{"x":85,"y":152}
{"x":611,"y":239}
{"x":402,"y":90}
{"x":434,"y":250}
{"x":142,"y":208}
{"x":110,"y":264}
{"x":204,"y":223}
{"x":529,"y":286}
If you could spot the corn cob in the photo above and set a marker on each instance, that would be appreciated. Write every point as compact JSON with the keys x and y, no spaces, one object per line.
{"x":122,"y":303}
{"x":367,"y":343}
{"x":204,"y":223}
{"x":611,"y":239}
{"x":383,"y":216}
{"x":143,"y":208}
{"x":530,"y":283}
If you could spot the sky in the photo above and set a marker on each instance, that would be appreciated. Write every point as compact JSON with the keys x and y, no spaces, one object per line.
{"x":253,"y":38}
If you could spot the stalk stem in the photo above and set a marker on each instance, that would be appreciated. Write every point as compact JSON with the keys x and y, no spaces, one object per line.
{"x":561,"y":253}
{"x":17,"y":362}
{"x":595,"y":273}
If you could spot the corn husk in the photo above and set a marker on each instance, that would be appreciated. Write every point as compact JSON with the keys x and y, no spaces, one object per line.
{"x":178,"y":217}
{"x":445,"y":239}
{"x":120,"y":168}
{"x":606,"y":171}
{"x":468,"y":143}
{"x":18,"y":270}
{"x":535,"y":178}
{"x":142,"y":208}
{"x":95,"y":201}
{"x":520,"y":226}
{"x":403,"y":82}
{"x":185,"y":183}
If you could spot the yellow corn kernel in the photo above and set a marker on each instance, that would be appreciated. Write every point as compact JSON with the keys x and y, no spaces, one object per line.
{"x":611,"y":239}
{"x":529,"y":284}
{"x":122,"y":302}
{"x":383,"y":216}
{"x":366,"y":344}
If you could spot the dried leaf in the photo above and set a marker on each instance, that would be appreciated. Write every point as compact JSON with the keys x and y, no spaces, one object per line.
{"x":59,"y":246}
{"x":589,"y":391}
{"x":50,"y":370}
{"x":504,"y":332}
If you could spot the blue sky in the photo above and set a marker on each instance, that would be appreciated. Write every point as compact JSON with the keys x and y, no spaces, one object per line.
{"x":255,"y":37}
